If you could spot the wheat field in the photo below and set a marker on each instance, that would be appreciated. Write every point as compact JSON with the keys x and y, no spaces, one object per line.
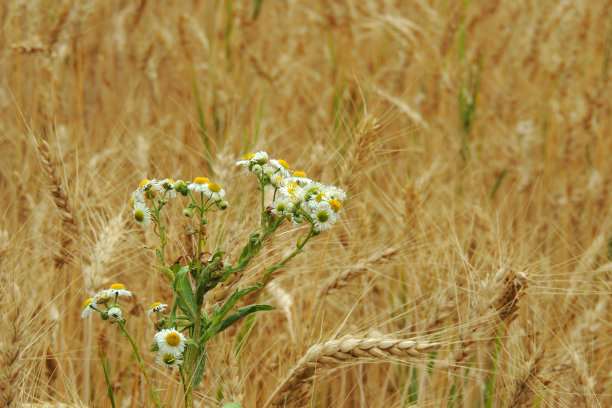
{"x":471,"y":266}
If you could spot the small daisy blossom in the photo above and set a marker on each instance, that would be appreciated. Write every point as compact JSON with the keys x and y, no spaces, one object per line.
{"x":166,"y":188}
{"x":169,"y":360}
{"x":246,"y":162}
{"x":101,"y":297}
{"x":170,"y":341}
{"x":146,"y":184}
{"x":282,"y":207}
{"x":118,"y":289}
{"x":299,"y":177}
{"x":142,"y":213}
{"x":277,"y":181}
{"x":199,"y":184}
{"x":293,"y":193}
{"x":214,"y":191}
{"x":336,"y":193}
{"x":323,"y":216}
{"x":88,"y":306}
{"x":260,"y":158}
{"x":114,"y":313}
{"x":157,"y":307}
{"x":280,"y":167}
{"x":335,"y":205}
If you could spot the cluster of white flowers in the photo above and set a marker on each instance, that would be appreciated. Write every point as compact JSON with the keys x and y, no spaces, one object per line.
{"x":166,"y":189}
{"x":171,"y":344}
{"x":296,"y":196}
{"x":211,"y":190}
{"x":149,"y":189}
{"x":102,"y":298}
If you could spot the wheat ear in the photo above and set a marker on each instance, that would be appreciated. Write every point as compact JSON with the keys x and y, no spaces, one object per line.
{"x":503,"y":309}
{"x":344,"y":278}
{"x":60,"y":197}
{"x":343,"y":350}
{"x":12,"y":347}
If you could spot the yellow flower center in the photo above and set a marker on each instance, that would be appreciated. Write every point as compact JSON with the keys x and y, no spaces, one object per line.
{"x":248,"y":156}
{"x":299,"y":174}
{"x":214,"y":187}
{"x":86,"y":303}
{"x":319,"y":197}
{"x":132,"y":201}
{"x":170,"y":180}
{"x":143,"y":182}
{"x":280,"y":207}
{"x":201,"y":180}
{"x":169,"y":359}
{"x":293,"y":185}
{"x":118,"y":286}
{"x":173,"y":339}
{"x":322,"y":216}
{"x":283,"y":163}
{"x":335,"y":205}
{"x":139,"y":215}
{"x":154,"y":305}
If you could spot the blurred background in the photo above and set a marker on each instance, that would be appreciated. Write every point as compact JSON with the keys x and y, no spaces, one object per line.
{"x":472,"y":138}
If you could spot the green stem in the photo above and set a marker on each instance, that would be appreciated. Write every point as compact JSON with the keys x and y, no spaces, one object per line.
{"x":154,"y":394}
{"x":282,"y":263}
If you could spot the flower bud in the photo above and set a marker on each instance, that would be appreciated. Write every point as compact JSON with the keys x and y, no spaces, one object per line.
{"x":257,"y":169}
{"x":316,"y":232}
{"x":188,"y":212}
{"x":181,"y":187}
{"x":222,"y":205}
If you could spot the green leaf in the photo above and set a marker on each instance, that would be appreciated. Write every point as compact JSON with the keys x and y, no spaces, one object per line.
{"x":182,"y":288}
{"x":199,"y":369}
{"x":232,"y":405}
{"x":242,"y":312}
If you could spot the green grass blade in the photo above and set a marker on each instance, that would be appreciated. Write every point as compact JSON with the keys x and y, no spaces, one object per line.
{"x":490,"y":386}
{"x":500,"y":178}
{"x":106,"y":377}
{"x":257,"y":8}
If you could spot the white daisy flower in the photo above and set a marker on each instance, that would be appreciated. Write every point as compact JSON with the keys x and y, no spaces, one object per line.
{"x":292,"y":192}
{"x":118,"y":289}
{"x":199,"y":184}
{"x":157,"y":307}
{"x":336,"y":193}
{"x":169,"y":360}
{"x":260,"y":158}
{"x":214,"y":191}
{"x":282,"y":207}
{"x":335,"y":205}
{"x":101,"y":297}
{"x":280,"y":167}
{"x":323,"y":216}
{"x":88,"y":306}
{"x":142,"y":213}
{"x":146,"y":184}
{"x":299,"y":177}
{"x":170,"y":341}
{"x":166,"y":188}
{"x":277,"y":181}
{"x":316,"y":191}
{"x":246,"y":160}
{"x":114,"y":314}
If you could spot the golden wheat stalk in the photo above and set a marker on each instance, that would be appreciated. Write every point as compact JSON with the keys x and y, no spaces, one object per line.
{"x":348,"y":349}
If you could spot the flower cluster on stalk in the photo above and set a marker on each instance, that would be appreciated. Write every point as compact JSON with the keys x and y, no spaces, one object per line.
{"x":295,"y":197}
